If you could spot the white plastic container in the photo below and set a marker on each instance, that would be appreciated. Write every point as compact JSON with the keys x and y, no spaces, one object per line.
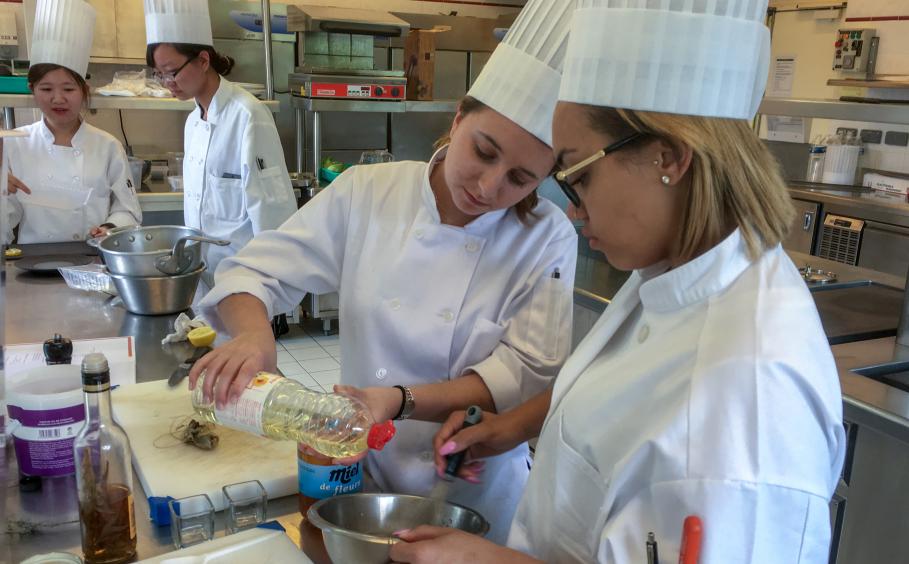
{"x":46,"y":412}
{"x":841,"y":163}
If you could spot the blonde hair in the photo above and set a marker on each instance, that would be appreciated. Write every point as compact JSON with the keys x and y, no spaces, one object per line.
{"x":735,"y":181}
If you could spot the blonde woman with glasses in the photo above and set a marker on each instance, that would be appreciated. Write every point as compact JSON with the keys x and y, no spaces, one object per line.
{"x":707,"y":388}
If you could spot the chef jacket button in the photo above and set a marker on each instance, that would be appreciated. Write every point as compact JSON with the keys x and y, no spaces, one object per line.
{"x":418,"y":233}
{"x":643,"y":333}
{"x":75,"y":179}
{"x":50,"y":176}
{"x":395,"y":304}
{"x":380,"y":373}
{"x":447,"y":315}
{"x":426,"y":456}
{"x":77,"y":152}
{"x":471,"y":247}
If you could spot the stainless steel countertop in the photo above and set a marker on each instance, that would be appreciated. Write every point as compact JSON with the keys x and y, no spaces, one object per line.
{"x":37,"y":307}
{"x":875,"y":205}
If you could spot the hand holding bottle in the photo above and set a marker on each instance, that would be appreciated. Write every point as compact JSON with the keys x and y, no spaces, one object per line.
{"x":232,"y":366}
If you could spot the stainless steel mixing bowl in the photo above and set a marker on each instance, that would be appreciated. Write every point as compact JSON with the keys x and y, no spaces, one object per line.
{"x":158,"y":295}
{"x":135,"y":251}
{"x":358,"y":527}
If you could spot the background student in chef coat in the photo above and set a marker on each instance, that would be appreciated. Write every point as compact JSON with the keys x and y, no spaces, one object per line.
{"x":707,"y":387}
{"x":455,"y":280}
{"x":68,"y":180}
{"x":235,"y":181}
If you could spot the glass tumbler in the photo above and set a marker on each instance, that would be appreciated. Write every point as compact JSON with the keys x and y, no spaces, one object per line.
{"x":247,"y":503}
{"x":192,"y":520}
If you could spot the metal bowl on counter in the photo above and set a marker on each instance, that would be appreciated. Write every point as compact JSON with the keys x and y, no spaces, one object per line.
{"x":161,"y":250}
{"x":158,"y":295}
{"x":359,"y":527}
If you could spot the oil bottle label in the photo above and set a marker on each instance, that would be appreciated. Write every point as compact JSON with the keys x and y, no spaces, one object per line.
{"x":319,"y":482}
{"x":246,"y":414}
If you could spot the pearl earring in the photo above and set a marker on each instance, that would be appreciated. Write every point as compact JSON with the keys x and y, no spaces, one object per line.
{"x":656,"y":163}
{"x":665,"y":179}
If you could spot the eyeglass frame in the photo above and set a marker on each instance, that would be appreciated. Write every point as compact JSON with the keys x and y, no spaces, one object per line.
{"x":172,"y":76}
{"x":561,"y":177}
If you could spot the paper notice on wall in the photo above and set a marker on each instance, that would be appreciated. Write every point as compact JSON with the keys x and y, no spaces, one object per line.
{"x":789,"y":129}
{"x":120,"y":353}
{"x":782,"y":75}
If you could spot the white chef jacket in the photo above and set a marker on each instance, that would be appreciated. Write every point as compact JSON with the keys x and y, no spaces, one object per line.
{"x":710,"y":390}
{"x":73,"y":188}
{"x":235,"y":182}
{"x":423,"y":302}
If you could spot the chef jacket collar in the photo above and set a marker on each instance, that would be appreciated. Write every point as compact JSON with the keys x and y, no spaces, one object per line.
{"x":218,"y":101}
{"x":78,"y":138}
{"x":479,"y":224}
{"x":696,"y":280}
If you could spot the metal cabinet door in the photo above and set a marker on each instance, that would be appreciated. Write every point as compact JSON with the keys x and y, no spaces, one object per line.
{"x":803,"y":230}
{"x":885,"y":248}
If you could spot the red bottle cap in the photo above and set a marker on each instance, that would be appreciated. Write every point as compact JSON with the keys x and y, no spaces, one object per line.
{"x":380,"y":434}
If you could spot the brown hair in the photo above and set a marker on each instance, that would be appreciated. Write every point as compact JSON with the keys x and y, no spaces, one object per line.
{"x":524,"y":208}
{"x":36,"y":74}
{"x":221,"y":63}
{"x":735,"y":181}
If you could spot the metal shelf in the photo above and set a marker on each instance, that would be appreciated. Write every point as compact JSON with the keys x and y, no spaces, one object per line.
{"x":834,"y":109}
{"x":374,"y":106}
{"x":120,"y":103}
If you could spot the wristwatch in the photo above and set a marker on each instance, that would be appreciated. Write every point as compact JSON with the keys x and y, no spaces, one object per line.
{"x":407,"y":404}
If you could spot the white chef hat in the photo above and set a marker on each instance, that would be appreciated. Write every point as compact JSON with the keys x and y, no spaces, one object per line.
{"x":63,"y":34}
{"x":177,"y":21}
{"x":521,"y":79}
{"x":704,"y":58}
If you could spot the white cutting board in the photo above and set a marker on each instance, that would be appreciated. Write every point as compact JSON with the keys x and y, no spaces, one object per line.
{"x":147,"y":411}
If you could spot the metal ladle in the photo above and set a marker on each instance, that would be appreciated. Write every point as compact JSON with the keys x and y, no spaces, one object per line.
{"x":179,"y":261}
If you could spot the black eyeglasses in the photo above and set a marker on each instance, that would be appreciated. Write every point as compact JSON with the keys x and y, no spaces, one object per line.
{"x":561,"y":177}
{"x":165,"y":77}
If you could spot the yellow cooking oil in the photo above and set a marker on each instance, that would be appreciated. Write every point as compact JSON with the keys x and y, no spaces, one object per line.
{"x":336,"y":426}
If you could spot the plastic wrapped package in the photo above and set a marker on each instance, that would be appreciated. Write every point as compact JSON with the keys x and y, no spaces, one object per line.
{"x":90,"y":277}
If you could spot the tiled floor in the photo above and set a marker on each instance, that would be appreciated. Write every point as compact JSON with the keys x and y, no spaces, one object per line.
{"x":310,"y":358}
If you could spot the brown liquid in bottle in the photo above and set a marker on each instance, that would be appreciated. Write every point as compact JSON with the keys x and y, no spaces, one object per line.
{"x":109,"y":528}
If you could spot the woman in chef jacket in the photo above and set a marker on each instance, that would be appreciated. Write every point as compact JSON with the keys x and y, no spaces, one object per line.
{"x":455,"y":280}
{"x":707,"y":387}
{"x":235,"y":182}
{"x":68,"y":180}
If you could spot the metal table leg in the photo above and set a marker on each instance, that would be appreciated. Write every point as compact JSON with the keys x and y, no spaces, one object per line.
{"x":300,"y":133}
{"x":9,"y":118}
{"x":316,"y":143}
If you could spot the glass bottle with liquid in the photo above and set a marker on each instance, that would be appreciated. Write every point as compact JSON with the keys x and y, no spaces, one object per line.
{"x":104,"y":479}
{"x":272,"y":406}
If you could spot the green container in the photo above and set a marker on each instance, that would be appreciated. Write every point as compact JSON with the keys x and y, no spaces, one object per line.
{"x":14,"y":85}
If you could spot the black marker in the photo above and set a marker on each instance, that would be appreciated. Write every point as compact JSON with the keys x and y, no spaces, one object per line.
{"x":474,"y":416}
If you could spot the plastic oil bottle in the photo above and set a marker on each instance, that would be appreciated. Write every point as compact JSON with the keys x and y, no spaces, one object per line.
{"x":279,"y":408}
{"x":331,"y":424}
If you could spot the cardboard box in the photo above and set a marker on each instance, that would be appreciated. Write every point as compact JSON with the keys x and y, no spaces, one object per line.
{"x":420,"y":63}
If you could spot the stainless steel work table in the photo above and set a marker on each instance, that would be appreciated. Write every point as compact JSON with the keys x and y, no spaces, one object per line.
{"x":36,"y":308}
